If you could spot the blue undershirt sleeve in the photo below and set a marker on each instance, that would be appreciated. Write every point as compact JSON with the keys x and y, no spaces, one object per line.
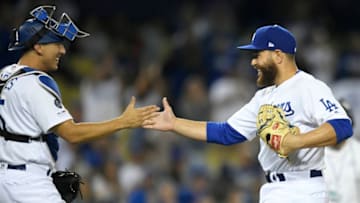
{"x":343,"y":128}
{"x":223,"y":133}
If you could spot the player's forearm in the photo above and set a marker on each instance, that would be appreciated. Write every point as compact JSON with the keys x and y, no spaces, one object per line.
{"x":324,"y":135}
{"x":192,"y":129}
{"x":80,"y":132}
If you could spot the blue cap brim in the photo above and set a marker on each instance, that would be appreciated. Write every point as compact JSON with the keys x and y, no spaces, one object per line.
{"x":249,"y":47}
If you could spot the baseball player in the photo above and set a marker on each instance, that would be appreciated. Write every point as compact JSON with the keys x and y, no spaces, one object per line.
{"x":291,"y":103}
{"x":32,"y":114}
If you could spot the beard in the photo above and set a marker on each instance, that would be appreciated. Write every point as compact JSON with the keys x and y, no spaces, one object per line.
{"x":268,"y":75}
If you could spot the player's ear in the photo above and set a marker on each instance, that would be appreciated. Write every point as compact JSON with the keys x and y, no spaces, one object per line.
{"x":278,"y":56}
{"x":38,"y":49}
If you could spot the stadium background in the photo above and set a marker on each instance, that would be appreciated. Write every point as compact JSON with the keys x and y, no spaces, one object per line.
{"x":185,"y":50}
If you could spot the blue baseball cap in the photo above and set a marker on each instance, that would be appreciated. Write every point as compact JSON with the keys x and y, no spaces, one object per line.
{"x":272,"y":37}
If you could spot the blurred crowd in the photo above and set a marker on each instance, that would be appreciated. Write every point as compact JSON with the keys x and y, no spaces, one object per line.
{"x":186,"y":51}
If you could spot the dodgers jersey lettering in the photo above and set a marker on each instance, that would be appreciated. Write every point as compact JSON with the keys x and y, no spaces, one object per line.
{"x":307,"y":103}
{"x":29,"y":109}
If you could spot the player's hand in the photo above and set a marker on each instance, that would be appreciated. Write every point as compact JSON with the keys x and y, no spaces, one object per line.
{"x":291,"y":141}
{"x":164,"y":120}
{"x":135,"y":117}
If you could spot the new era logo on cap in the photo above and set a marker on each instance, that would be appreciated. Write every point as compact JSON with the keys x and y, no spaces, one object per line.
{"x":272,"y":37}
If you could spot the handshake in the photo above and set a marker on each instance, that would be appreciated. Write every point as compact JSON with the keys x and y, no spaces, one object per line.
{"x":148,"y":116}
{"x":271,"y":124}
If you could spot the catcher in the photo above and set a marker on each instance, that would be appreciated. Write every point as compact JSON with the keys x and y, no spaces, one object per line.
{"x":32,"y":114}
{"x":294,"y":114}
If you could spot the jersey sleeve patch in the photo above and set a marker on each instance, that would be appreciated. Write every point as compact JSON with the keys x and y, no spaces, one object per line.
{"x":50,"y":85}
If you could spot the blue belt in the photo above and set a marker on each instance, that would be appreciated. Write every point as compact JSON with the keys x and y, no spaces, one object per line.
{"x":17,"y":167}
{"x":22,"y":167}
{"x":280,"y":177}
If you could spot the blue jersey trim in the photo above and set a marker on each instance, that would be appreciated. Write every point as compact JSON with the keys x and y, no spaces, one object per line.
{"x":343,"y":128}
{"x":223,"y":133}
{"x":28,"y":69}
{"x":53,"y":143}
{"x":50,"y":85}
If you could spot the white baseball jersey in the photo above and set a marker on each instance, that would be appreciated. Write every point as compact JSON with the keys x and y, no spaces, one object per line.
{"x":307,"y":103}
{"x":29,"y":109}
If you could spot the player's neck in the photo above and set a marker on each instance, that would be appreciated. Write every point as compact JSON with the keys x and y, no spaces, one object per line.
{"x":31,"y":60}
{"x":285,"y":72}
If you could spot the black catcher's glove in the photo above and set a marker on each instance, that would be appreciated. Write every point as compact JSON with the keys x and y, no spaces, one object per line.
{"x":68,"y":184}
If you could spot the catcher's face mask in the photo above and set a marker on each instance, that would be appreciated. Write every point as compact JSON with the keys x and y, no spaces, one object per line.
{"x":65,"y":27}
{"x":43,"y":29}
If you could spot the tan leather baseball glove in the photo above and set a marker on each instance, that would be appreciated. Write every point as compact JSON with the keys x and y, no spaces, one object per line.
{"x":272,"y":127}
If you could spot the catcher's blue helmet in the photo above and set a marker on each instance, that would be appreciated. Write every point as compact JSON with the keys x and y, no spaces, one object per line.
{"x":43,"y":29}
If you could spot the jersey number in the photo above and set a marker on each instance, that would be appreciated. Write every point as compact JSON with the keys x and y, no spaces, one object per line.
{"x":328,"y":105}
